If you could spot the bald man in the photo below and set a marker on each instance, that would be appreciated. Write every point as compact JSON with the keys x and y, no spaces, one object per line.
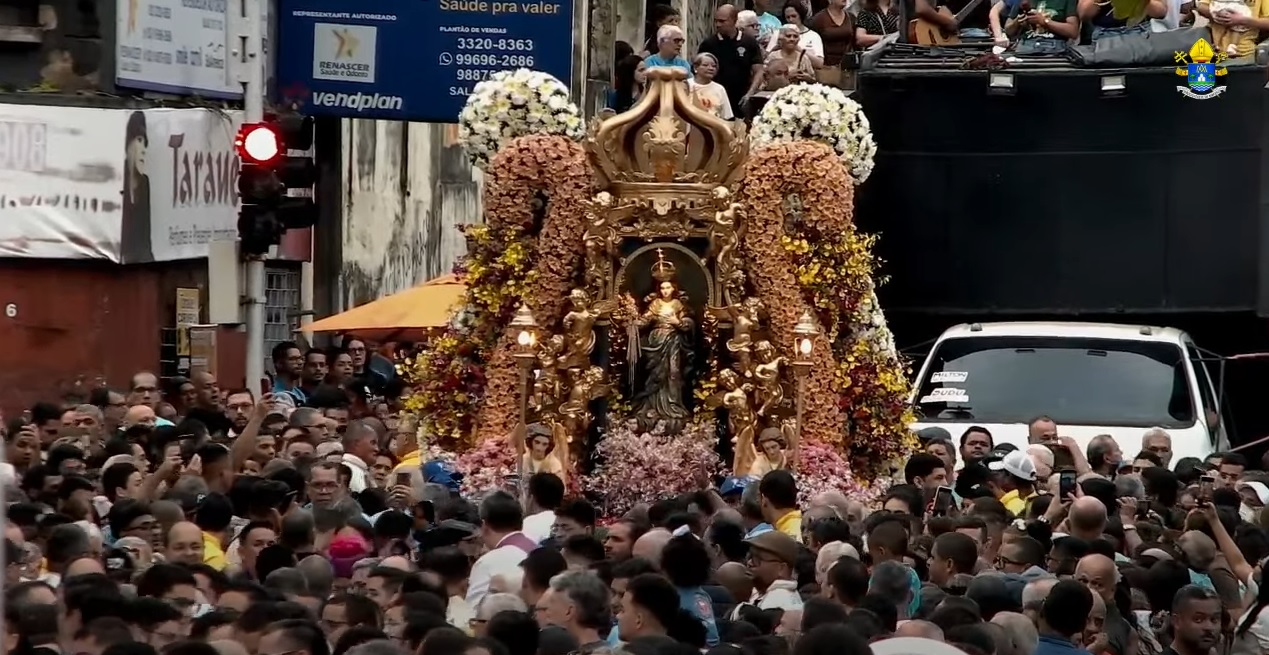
{"x":139,"y":415}
{"x":739,"y":56}
{"x":1094,"y":638}
{"x":650,"y":545}
{"x":734,"y":577}
{"x":82,"y":566}
{"x":917,"y":628}
{"x":1087,"y":519}
{"x":184,"y":544}
{"x":1100,"y":575}
{"x":1203,"y":557}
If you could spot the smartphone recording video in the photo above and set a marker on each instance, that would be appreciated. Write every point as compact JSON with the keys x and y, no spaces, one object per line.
{"x":943,"y":503}
{"x":1066,"y":483}
{"x":1207,"y":484}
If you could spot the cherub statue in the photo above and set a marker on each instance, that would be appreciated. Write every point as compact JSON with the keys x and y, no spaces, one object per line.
{"x":588,"y":384}
{"x":543,"y":452}
{"x":767,"y":373}
{"x":579,"y":325}
{"x":744,"y":316}
{"x":740,"y":417}
{"x":546,"y":388}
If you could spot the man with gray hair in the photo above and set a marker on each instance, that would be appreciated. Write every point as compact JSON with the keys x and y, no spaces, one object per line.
{"x":1019,"y":630}
{"x":1159,"y":442}
{"x":891,"y":579}
{"x":748,"y":24}
{"x":490,"y":606}
{"x":669,"y":49}
{"x":361,"y":442}
{"x":1033,"y":596}
{"x":579,"y":602}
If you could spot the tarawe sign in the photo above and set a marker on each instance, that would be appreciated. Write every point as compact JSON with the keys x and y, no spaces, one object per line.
{"x":415,"y":61}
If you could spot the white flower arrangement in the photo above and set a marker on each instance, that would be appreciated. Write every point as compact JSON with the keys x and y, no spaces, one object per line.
{"x":512,"y":104}
{"x":819,"y":113}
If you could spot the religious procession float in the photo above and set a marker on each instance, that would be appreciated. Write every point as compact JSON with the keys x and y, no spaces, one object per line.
{"x":664,"y":297}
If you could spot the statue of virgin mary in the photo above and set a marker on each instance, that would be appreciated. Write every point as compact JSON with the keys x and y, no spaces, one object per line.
{"x":664,"y":334}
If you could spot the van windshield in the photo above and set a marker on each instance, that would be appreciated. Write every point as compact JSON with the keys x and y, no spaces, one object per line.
{"x":1003,"y":379}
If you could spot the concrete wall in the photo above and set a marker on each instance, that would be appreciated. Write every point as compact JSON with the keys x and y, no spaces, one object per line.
{"x":405,"y":189}
{"x":67,"y":45}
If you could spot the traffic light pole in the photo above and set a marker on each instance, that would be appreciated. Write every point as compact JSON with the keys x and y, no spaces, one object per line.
{"x":252,"y":44}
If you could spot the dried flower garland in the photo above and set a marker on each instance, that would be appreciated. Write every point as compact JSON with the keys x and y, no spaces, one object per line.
{"x":448,"y":377}
{"x":558,"y":167}
{"x":836,"y":270}
{"x":858,"y":388}
{"x":812,"y":171}
{"x":466,"y":381}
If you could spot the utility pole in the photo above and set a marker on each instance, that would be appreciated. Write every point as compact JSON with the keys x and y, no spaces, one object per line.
{"x":251,"y":51}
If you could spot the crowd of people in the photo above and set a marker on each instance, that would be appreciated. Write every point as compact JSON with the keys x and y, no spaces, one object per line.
{"x":755,"y":52}
{"x":187,"y":519}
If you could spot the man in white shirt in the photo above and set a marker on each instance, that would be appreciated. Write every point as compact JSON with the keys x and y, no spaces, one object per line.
{"x":546,"y":492}
{"x":772,"y":556}
{"x":501,"y":525}
{"x":360,"y":440}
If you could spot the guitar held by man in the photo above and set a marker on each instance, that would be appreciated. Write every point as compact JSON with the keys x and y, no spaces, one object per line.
{"x":939,"y":26}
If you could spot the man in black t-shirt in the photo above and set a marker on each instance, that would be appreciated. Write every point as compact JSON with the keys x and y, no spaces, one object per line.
{"x":739,"y":57}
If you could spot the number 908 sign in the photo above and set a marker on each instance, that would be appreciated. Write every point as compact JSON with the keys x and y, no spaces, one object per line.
{"x":23,"y":146}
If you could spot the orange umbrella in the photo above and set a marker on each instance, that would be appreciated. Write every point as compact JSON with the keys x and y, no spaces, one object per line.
{"x":425,"y":307}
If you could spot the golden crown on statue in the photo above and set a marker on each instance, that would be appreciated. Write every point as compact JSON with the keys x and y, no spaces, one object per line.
{"x":666,"y":139}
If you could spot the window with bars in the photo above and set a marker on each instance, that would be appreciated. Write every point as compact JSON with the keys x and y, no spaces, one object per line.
{"x":281,"y":308}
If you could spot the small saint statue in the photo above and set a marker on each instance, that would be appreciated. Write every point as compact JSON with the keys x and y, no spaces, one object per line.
{"x":664,"y":334}
{"x":771,"y":453}
{"x":542,"y":453}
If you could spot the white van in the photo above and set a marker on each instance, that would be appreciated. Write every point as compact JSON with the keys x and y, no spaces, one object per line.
{"x":1091,"y":378}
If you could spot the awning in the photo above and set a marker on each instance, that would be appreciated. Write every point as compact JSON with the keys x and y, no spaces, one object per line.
{"x":404,"y":315}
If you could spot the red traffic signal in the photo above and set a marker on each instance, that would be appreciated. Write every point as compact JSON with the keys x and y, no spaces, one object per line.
{"x":258,"y":143}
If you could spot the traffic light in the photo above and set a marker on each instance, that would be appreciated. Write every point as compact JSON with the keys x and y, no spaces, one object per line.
{"x":267,"y":172}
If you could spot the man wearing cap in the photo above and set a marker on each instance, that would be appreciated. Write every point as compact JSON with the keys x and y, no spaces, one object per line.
{"x":731,"y":490}
{"x":1013,"y":480}
{"x":772,"y":556}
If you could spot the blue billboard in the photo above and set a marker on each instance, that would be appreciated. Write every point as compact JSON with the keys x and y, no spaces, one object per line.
{"x":415,"y":60}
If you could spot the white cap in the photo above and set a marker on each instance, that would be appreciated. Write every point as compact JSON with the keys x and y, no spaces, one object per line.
{"x":1017,"y":463}
{"x":1262,"y":491}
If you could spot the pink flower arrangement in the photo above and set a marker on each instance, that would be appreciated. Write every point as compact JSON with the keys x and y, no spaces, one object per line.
{"x":485,"y":468}
{"x":821,"y":468}
{"x":643,"y":468}
{"x":433,"y":452}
